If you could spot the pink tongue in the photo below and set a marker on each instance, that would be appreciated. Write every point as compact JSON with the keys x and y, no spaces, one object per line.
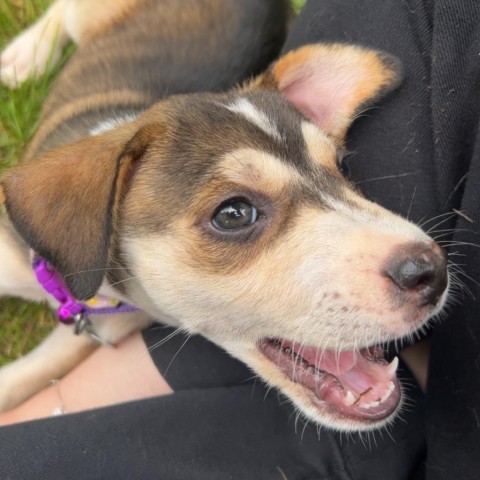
{"x":336,"y":363}
{"x":360,"y":384}
{"x":352,"y":369}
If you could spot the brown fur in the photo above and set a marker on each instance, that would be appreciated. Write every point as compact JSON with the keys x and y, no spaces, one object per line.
{"x":112,"y":57}
{"x":120,"y":98}
{"x":91,"y":191}
{"x":108,"y":14}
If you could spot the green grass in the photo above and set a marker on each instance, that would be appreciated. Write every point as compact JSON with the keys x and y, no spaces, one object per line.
{"x":19,"y":108}
{"x":23,"y":325}
{"x":297,"y":4}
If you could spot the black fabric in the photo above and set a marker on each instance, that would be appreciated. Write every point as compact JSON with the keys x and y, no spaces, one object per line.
{"x":192,"y":362}
{"x":419,"y":154}
{"x":221,"y":425}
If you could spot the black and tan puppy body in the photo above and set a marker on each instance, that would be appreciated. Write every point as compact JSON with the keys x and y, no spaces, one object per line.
{"x":227,"y":215}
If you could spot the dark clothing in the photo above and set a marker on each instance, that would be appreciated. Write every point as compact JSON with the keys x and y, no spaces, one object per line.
{"x":219,"y":424}
{"x":417,"y":154}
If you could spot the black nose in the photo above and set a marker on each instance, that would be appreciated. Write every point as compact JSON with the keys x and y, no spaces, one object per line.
{"x":421,"y":270}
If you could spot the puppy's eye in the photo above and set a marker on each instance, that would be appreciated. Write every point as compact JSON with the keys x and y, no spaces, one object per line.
{"x":234,"y":214}
{"x":342,"y":164}
{"x":345,"y":169}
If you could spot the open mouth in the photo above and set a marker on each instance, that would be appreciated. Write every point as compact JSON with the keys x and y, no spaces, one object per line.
{"x":357,"y":385}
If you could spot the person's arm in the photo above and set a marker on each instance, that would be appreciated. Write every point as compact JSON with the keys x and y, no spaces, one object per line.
{"x":110,"y":375}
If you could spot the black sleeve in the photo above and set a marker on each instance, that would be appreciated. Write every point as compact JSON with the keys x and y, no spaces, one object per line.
{"x":206,"y":431}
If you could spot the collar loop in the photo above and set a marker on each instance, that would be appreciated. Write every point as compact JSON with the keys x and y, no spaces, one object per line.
{"x":71,"y":311}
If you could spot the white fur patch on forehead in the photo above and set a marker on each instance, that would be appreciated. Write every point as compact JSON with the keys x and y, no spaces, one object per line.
{"x":258,"y":169}
{"x":111,"y":124}
{"x":319,"y":146}
{"x":248,"y":110}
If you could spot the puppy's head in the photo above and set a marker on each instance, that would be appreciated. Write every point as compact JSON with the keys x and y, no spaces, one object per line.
{"x":232,"y":218}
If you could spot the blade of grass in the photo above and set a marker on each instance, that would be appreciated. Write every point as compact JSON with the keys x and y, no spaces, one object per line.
{"x":22,"y":324}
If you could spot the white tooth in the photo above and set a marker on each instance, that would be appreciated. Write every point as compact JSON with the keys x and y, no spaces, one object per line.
{"x":349,"y":398}
{"x":370,"y":405}
{"x":391,"y":387}
{"x":392,"y":367}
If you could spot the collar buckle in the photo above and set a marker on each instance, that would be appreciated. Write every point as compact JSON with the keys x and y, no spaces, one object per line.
{"x":84,"y":324}
{"x":71,"y":311}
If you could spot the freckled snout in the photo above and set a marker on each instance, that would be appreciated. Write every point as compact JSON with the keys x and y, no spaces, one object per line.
{"x":419,"y":273}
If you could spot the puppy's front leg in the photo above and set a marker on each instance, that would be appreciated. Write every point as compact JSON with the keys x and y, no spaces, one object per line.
{"x":40,"y":46}
{"x":52,"y":359}
{"x":31,"y":52}
{"x":59,"y":353}
{"x":16,"y":273}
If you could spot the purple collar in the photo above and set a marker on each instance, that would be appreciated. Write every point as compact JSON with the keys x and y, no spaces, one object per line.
{"x":70,"y":310}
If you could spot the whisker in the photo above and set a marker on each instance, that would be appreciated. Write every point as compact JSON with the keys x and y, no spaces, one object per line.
{"x":456,"y":254}
{"x":134,"y":277}
{"x":457,"y":186}
{"x":165,"y":340}
{"x":176,"y":354}
{"x":422,"y":225}
{"x":304,"y":428}
{"x":411,"y":202}
{"x":436,"y":237}
{"x":461,"y":272}
{"x":441,"y":222}
{"x":282,"y":473}
{"x":448,"y":231}
{"x":386,"y":177}
{"x":456,"y":230}
{"x":453,"y":243}
{"x":105,"y":269}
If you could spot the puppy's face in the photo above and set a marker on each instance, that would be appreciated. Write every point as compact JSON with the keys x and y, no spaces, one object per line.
{"x":232,"y":219}
{"x":258,"y":242}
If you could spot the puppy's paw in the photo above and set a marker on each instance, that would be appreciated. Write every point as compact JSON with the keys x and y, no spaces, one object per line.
{"x":31,"y":53}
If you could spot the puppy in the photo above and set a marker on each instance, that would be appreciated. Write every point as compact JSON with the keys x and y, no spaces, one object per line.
{"x":222,"y":214}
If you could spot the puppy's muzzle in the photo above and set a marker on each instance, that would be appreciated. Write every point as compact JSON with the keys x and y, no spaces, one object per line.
{"x":418,"y":274}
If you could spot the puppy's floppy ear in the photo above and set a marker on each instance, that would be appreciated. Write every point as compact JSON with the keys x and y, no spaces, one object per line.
{"x":330,"y":83}
{"x":65,"y":203}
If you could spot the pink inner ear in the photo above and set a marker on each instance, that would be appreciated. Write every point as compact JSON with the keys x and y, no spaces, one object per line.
{"x":323,"y":100}
{"x":329,"y":83}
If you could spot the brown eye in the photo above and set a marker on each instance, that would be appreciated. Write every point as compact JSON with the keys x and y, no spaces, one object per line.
{"x":234,"y":214}
{"x":342,"y":164}
{"x":345,"y":169}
